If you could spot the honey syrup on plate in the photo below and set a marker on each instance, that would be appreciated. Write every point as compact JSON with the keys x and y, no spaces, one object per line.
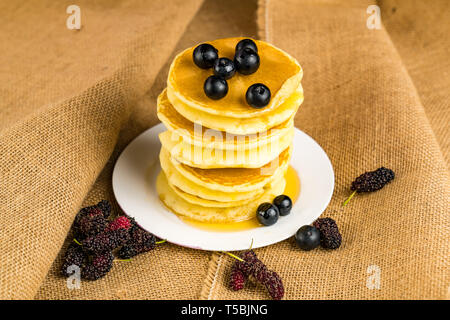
{"x":292,"y":190}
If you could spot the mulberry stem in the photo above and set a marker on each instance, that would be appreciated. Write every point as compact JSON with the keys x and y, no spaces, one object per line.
{"x":232,"y":255}
{"x":159,"y":242}
{"x":349,"y":198}
{"x":76,"y":241}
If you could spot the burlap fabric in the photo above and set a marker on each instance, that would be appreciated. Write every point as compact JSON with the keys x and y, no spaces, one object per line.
{"x":71,"y":100}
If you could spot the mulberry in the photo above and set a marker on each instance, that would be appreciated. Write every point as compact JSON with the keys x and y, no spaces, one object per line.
{"x":245,"y":266}
{"x":91,"y":220}
{"x":140,"y":241}
{"x":105,"y":206}
{"x":238,"y":279}
{"x":89,"y":224}
{"x":74,"y":256}
{"x":121,"y":222}
{"x":274,"y":285}
{"x":371,"y":181}
{"x":99,"y":266}
{"x":259,"y":271}
{"x":252,"y":266}
{"x":330,"y":238}
{"x":106,"y":241}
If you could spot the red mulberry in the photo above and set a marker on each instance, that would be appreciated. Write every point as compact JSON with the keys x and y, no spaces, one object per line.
{"x":237,"y":279}
{"x":121,"y":222}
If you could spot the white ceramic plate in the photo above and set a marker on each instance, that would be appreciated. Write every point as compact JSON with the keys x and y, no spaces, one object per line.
{"x":134,"y":180}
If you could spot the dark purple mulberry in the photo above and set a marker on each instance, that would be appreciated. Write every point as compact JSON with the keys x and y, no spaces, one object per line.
{"x":330,"y":238}
{"x":259,"y":271}
{"x":90,"y":224}
{"x":74,"y":256}
{"x":245,"y":266}
{"x":98,"y":267}
{"x":274,"y":285}
{"x":91,"y":220}
{"x":252,"y":266}
{"x":373,"y":180}
{"x":106,"y":241}
{"x":140,"y":241}
{"x":105,"y":206}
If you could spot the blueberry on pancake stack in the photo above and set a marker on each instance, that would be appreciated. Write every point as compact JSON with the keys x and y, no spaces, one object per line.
{"x":229,"y":108}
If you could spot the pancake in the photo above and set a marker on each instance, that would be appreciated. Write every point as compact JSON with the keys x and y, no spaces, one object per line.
{"x":235,"y":179}
{"x":219,"y":204}
{"x":209,"y":214}
{"x":207,"y":158}
{"x":200,"y":135}
{"x":177,"y":179}
{"x":221,"y":159}
{"x":241,"y":126}
{"x":278,"y":71}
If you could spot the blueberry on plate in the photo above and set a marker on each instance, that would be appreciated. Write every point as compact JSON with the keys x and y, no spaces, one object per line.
{"x":246,"y":61}
{"x":284,"y":204}
{"x":307,"y":237}
{"x":246,"y":43}
{"x":205,"y":55}
{"x":215,"y":88}
{"x":258,"y":95}
{"x":224,"y":68}
{"x":267,"y":214}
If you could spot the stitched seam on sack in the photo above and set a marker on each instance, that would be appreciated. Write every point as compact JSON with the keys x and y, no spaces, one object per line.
{"x":211,"y":276}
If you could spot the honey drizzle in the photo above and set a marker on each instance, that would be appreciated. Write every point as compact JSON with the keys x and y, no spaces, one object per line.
{"x":292,"y":190}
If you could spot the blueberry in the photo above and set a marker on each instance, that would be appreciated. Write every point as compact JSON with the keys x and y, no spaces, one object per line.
{"x":307,"y":237}
{"x":224,"y":68}
{"x":215,"y":87}
{"x":246,"y":61}
{"x":258,"y":95}
{"x":205,"y":55}
{"x":246,"y":43}
{"x":284,"y":204}
{"x":267,"y":214}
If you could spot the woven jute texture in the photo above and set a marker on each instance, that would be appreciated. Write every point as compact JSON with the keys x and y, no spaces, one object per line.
{"x":65,"y":95}
{"x":71,"y":100}
{"x":363,"y":109}
{"x":421,"y":38}
{"x":168,"y":272}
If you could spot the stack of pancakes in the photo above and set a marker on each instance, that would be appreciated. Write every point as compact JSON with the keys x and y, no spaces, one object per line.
{"x":220,"y":159}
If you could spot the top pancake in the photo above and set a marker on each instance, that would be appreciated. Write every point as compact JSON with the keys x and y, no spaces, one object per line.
{"x":278,"y":71}
{"x":203,"y":136}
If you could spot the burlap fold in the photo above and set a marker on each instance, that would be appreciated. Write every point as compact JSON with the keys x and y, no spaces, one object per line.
{"x":65,"y":97}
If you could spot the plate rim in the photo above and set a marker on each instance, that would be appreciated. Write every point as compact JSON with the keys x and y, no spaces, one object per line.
{"x":279,"y":238}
